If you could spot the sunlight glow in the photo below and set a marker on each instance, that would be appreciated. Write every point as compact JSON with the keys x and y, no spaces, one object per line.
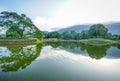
{"x":81,"y":11}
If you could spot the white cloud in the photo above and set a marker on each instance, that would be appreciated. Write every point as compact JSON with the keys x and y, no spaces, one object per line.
{"x":40,"y":20}
{"x":42,"y":23}
{"x":81,"y":11}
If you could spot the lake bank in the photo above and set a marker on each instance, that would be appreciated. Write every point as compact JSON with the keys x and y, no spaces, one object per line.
{"x":19,"y":41}
{"x":94,"y":41}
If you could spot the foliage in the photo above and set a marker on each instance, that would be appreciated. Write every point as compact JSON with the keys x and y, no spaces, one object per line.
{"x":84,"y":34}
{"x":18,"y":26}
{"x":55,"y":35}
{"x":38,"y":34}
{"x":95,"y":31}
{"x":78,"y":36}
{"x":93,"y":51}
{"x":98,"y":31}
{"x":66,"y":35}
{"x":13,"y":32}
{"x":19,"y":57}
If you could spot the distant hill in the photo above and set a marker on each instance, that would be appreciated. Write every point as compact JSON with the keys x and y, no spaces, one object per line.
{"x":77,"y":28}
{"x":113,"y":27}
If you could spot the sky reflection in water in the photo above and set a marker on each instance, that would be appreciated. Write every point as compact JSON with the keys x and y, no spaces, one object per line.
{"x":60,"y":64}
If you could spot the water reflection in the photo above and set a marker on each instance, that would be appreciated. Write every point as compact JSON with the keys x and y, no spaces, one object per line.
{"x":60,"y":61}
{"x":95,"y":52}
{"x":14,"y":57}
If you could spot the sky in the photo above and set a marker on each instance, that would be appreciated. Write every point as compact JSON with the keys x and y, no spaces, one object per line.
{"x":54,"y":14}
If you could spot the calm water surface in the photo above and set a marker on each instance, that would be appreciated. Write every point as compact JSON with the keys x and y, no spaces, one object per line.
{"x":60,"y":61}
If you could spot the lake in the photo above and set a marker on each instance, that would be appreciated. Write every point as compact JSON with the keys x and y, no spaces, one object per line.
{"x":59,"y":61}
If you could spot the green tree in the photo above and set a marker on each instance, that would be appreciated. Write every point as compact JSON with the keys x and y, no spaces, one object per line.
{"x":84,"y":34}
{"x":98,"y":30}
{"x":13,"y":32}
{"x":46,"y":35}
{"x":108,"y":36}
{"x":115,"y":37}
{"x":18,"y":25}
{"x":66,"y":35}
{"x":38,"y":34}
{"x":78,"y":36}
{"x":55,"y":34}
{"x":73,"y":34}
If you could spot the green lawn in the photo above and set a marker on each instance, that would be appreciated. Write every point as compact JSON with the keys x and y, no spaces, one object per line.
{"x":99,"y":41}
{"x":94,"y":41}
{"x":19,"y":41}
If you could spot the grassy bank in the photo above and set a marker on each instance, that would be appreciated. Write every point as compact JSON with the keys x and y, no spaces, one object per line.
{"x":95,"y":41}
{"x":51,"y":40}
{"x":99,"y":41}
{"x":19,"y":41}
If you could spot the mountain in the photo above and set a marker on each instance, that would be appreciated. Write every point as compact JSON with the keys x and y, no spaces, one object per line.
{"x":77,"y":28}
{"x":113,"y":27}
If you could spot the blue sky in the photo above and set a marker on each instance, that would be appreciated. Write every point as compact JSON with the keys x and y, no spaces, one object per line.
{"x":49,"y":14}
{"x":33,"y":8}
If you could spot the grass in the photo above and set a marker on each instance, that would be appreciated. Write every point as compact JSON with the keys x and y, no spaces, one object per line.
{"x":51,"y":40}
{"x":98,"y":41}
{"x":19,"y":41}
{"x":94,"y":41}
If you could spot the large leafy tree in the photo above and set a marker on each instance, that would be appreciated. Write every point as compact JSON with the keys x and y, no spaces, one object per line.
{"x":98,"y":30}
{"x":13,"y":32}
{"x":18,"y":24}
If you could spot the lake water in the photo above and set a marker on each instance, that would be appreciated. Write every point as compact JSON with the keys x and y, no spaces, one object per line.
{"x":59,"y":61}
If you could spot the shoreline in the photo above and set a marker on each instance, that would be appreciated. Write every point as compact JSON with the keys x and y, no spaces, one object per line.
{"x":94,"y":41}
{"x":18,"y":41}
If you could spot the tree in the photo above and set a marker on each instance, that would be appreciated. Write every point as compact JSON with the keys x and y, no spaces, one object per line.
{"x":46,"y":35}
{"x":25,"y":23}
{"x":84,"y":34}
{"x":115,"y":37}
{"x":73,"y":34}
{"x":38,"y":34}
{"x":20,"y":24}
{"x":66,"y":35}
{"x":98,"y":30}
{"x":55,"y":34}
{"x":13,"y":32}
{"x":78,"y":36}
{"x":108,"y":36}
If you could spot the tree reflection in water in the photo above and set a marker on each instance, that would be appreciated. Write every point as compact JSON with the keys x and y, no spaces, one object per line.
{"x":96,"y":52}
{"x":19,"y":57}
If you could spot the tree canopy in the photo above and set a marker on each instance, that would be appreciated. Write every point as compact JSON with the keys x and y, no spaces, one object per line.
{"x":95,"y":31}
{"x":98,"y":30}
{"x":18,"y":26}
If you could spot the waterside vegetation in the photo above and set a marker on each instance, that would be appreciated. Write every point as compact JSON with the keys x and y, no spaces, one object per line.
{"x":97,"y":35}
{"x":18,"y":28}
